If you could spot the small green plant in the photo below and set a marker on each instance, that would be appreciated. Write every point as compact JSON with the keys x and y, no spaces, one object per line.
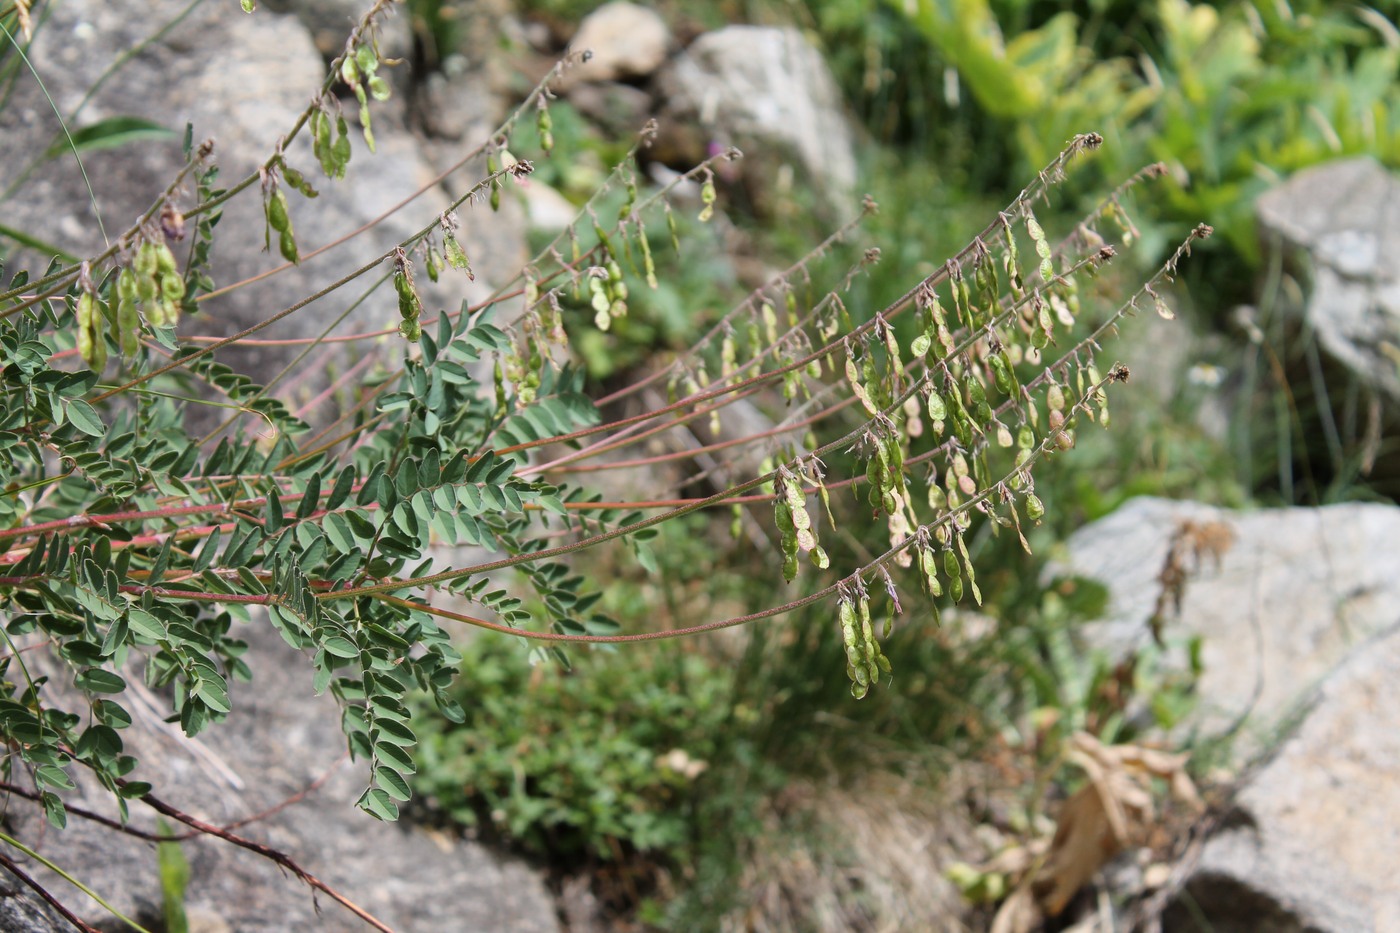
{"x":602,"y":762}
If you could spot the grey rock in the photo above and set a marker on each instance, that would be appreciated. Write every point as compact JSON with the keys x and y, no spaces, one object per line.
{"x":1345,"y":216}
{"x":626,"y":41}
{"x":1301,"y":641}
{"x":21,"y":911}
{"x":330,"y":21}
{"x":619,"y":109}
{"x":279,"y":739}
{"x":768,"y":91}
{"x":1295,"y":592}
{"x":241,"y":80}
{"x":1319,"y":824}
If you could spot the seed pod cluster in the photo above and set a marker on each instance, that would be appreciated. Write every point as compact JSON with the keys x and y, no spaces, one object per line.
{"x":330,"y":142}
{"x":608,"y":293}
{"x":795,"y":528}
{"x":152,"y":284}
{"x":363,"y":64}
{"x":864,"y":659}
{"x":885,"y":471}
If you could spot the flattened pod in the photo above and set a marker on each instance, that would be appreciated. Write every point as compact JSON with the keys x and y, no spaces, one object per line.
{"x":937,"y":410}
{"x":128,"y":327}
{"x":288,"y":246}
{"x":90,"y":343}
{"x":277,"y":214}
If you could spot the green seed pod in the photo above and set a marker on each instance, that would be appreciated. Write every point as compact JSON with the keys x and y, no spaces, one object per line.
{"x":349,"y":73}
{"x":126,"y":284}
{"x":456,"y":256}
{"x":1001,"y":373}
{"x":707,"y":197}
{"x":937,"y":409}
{"x":671,"y":228}
{"x":544,"y":124}
{"x":648,"y":266}
{"x":277,"y":216}
{"x":172,"y":287}
{"x":128,"y":327}
{"x":1055,"y":397}
{"x":366,"y":59}
{"x":1035,"y":510}
{"x":365,"y":129}
{"x":770,"y":322}
{"x":165,"y":260}
{"x":91,"y":346}
{"x":287,"y":243}
{"x":492,"y":167}
{"x":340,"y":151}
{"x":146,"y":263}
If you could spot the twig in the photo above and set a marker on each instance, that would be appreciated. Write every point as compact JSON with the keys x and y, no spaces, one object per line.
{"x":280,"y":858}
{"x":9,"y":865}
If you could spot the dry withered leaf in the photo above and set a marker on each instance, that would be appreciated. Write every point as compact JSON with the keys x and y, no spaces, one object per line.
{"x":1113,"y":811}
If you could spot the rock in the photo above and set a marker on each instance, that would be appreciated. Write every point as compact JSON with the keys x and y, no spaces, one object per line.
{"x":618,"y":109}
{"x":1312,"y":844}
{"x":1296,"y":610}
{"x":278,"y":740}
{"x":330,"y":21}
{"x":1345,"y":216}
{"x":240,"y":80}
{"x":22,"y":912}
{"x":627,"y":41}
{"x":767,"y":91}
{"x":546,"y":210}
{"x":1293,"y":591}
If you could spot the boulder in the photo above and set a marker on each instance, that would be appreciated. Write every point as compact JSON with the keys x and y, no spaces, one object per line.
{"x":1279,"y":596}
{"x":1301,"y":646}
{"x":768,"y":91}
{"x":330,"y":21}
{"x":279,"y":740}
{"x":1313,"y":838}
{"x":627,"y":41}
{"x":240,"y":80}
{"x":1344,"y":217}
